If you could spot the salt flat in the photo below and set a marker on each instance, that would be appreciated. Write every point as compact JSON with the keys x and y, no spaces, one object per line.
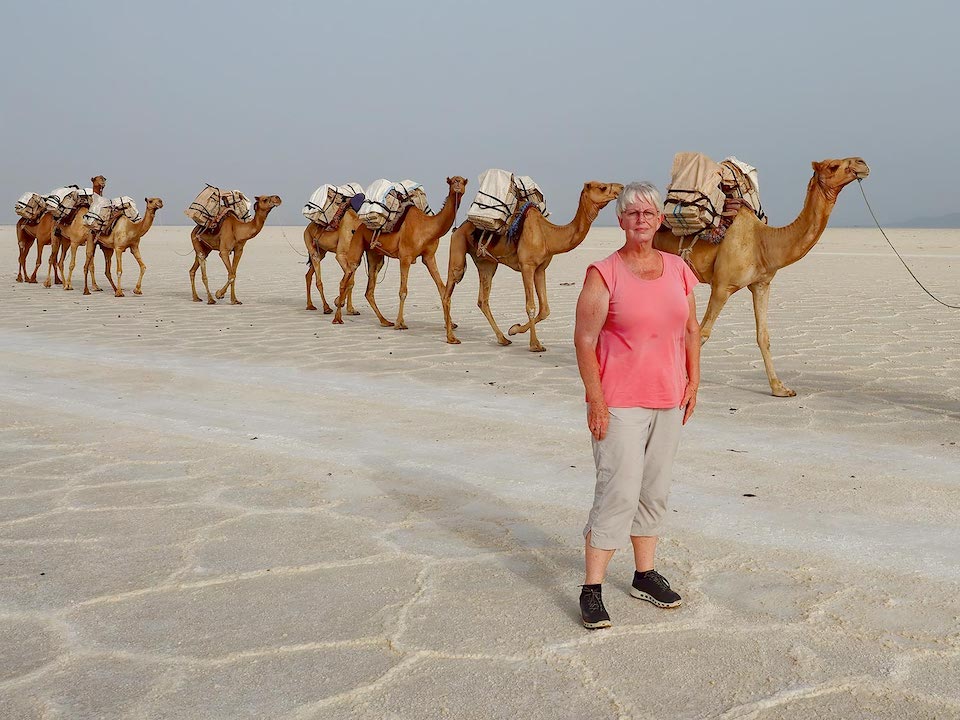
{"x":247,"y":512}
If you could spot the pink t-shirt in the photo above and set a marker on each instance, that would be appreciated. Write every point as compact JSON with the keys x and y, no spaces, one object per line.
{"x":641,"y":348}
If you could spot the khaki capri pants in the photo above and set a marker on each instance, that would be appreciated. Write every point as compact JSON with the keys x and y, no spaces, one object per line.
{"x":634,"y":471}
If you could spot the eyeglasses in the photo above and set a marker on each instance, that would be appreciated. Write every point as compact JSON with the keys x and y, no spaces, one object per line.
{"x":645,"y":215}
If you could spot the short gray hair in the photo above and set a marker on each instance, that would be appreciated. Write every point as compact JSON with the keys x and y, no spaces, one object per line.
{"x":639,"y":191}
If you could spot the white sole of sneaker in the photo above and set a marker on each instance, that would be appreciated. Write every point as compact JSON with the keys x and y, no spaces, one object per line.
{"x":597,"y":625}
{"x":640,"y":595}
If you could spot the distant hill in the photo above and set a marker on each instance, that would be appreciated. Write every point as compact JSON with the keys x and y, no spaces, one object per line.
{"x":951,"y":220}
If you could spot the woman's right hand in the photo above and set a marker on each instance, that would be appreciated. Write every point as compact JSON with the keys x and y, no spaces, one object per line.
{"x":598,"y":418}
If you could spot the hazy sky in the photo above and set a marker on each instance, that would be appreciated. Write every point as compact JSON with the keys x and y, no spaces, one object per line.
{"x":280,"y":97}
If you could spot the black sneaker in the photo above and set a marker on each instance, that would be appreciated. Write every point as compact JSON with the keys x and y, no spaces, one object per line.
{"x":653,"y":587}
{"x":592,"y":611}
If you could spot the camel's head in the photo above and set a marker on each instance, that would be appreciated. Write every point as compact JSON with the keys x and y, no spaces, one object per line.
{"x":457,"y":184}
{"x":601,"y":193}
{"x":153,"y":203}
{"x":267,"y":201}
{"x":99,"y":183}
{"x":833,"y":175}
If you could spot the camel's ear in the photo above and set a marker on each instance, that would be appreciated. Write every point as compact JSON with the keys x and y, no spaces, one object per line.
{"x":449,"y":181}
{"x":145,"y":200}
{"x":816,"y":166}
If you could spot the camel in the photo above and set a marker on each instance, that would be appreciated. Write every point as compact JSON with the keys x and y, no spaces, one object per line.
{"x":39,"y":231}
{"x":319,"y":242}
{"x":418,"y":236}
{"x":530,"y":254}
{"x":126,"y":234}
{"x":81,"y":233}
{"x":230,"y":236}
{"x":752,"y":252}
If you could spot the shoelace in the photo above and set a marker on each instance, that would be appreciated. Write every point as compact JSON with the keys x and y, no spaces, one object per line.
{"x":595,"y":600}
{"x":659,"y":579}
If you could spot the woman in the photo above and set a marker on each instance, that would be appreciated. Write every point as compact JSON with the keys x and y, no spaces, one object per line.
{"x":638,"y":350}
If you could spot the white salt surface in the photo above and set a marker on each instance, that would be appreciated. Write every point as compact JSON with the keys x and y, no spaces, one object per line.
{"x":245,"y":511}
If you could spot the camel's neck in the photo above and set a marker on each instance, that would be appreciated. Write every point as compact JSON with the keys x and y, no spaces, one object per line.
{"x":785,"y":245}
{"x":247,"y":230}
{"x":438,"y":225}
{"x":564,"y":238}
{"x":146,"y":222}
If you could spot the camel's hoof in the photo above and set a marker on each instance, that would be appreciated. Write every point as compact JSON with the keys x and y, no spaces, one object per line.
{"x":236,"y":302}
{"x":57,"y":282}
{"x":219,"y":295}
{"x":328,"y":311}
{"x":211,"y":301}
{"x":453,"y":341}
{"x":138,"y":292}
{"x":537,"y":348}
{"x":19,"y":279}
{"x":514,"y":329}
{"x":783,"y":391}
{"x":196,"y":299}
{"x":119,"y":294}
{"x":337,"y":321}
{"x":87,"y":292}
{"x":98,"y":289}
{"x":400,"y":326}
{"x":32,"y":281}
{"x":504,"y":342}
{"x":311,"y":307}
{"x":353,"y":312}
{"x":46,"y":284}
{"x":386,"y":323}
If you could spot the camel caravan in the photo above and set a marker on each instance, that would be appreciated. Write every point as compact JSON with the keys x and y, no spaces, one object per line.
{"x":71,"y":216}
{"x":713,"y":219}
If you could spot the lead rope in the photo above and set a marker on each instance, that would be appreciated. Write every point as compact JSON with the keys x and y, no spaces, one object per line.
{"x":952,"y":307}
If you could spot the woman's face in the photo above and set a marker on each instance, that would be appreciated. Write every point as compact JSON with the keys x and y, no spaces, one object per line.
{"x":640,"y":221}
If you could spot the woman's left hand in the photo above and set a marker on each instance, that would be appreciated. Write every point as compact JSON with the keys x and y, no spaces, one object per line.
{"x":689,"y":401}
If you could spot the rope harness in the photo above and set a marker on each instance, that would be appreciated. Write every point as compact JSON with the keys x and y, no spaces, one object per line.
{"x":952,"y":307}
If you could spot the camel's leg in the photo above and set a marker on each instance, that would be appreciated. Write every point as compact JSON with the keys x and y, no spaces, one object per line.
{"x":118,"y":291}
{"x":351,"y":310}
{"x":107,"y":262}
{"x":316,"y":264}
{"x":718,"y":298}
{"x":52,"y":262}
{"x":405,"y":264}
{"x":203,"y":275}
{"x":346,"y":283}
{"x":456,"y":265}
{"x":225,"y":257}
{"x":308,"y":278}
{"x":91,"y":248}
{"x":59,"y":265}
{"x":237,"y":254}
{"x":430,"y":261}
{"x":761,"y":293}
{"x":529,"y":291}
{"x":540,"y":284}
{"x":486,"y":269}
{"x":24,"y":243}
{"x":33,"y":277}
{"x":138,"y":290}
{"x":373,"y":268}
{"x":68,"y":281}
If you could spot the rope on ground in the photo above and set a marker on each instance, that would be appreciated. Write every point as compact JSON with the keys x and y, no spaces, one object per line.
{"x":952,"y":307}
